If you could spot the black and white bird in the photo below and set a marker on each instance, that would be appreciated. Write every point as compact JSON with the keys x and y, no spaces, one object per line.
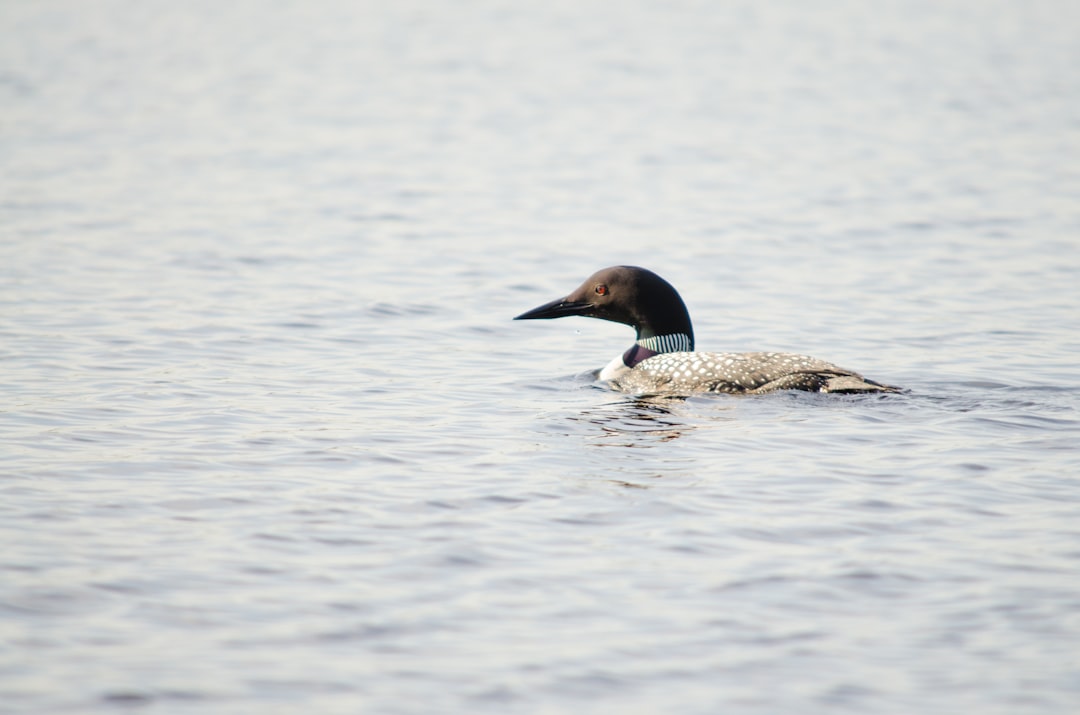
{"x":662,"y":359}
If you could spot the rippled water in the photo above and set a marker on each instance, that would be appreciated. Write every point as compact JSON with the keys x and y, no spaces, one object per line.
{"x":271,"y":442}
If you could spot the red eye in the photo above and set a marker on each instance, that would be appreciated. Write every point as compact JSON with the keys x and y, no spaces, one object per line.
{"x":601,"y":289}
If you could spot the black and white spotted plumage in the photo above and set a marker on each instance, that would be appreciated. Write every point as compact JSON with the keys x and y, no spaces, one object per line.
{"x":739,"y":373}
{"x":663,"y":361}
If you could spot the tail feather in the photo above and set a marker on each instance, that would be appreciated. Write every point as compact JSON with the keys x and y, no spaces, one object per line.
{"x":850,"y":384}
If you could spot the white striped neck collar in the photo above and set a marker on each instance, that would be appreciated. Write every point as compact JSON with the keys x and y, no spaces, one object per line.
{"x":673,"y":343}
{"x":645,"y":348}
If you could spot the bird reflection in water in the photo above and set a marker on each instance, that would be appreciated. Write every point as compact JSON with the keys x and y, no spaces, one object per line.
{"x":636,"y":423}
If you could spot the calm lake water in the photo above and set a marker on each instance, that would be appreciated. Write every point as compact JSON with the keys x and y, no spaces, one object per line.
{"x":272,"y":444}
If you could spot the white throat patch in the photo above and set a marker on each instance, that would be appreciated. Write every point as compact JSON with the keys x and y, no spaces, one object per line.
{"x":614,"y":369}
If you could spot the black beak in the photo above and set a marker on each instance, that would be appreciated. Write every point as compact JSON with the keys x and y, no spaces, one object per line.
{"x":560,"y":308}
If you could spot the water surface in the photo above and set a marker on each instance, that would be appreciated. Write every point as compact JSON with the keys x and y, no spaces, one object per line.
{"x":271,"y":441}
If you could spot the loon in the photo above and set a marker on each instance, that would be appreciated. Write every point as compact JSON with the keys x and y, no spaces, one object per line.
{"x":662,"y":359}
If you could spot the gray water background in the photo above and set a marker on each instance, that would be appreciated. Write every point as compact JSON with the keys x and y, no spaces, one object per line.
{"x":271,"y":443}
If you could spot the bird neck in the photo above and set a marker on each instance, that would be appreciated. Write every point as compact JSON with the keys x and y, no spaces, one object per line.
{"x":645,"y":347}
